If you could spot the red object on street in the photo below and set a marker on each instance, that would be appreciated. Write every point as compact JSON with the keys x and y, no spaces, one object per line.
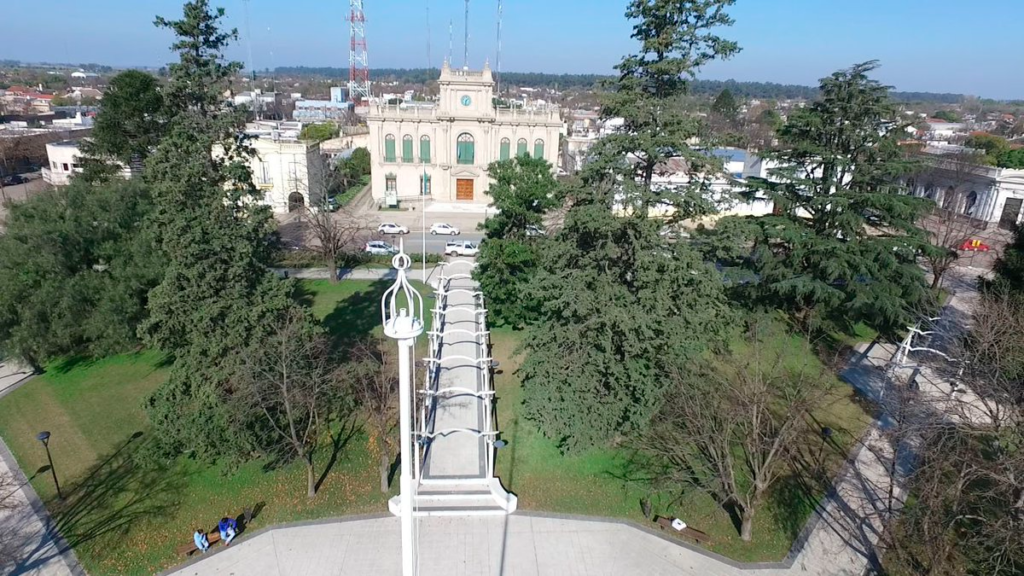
{"x":974,"y":246}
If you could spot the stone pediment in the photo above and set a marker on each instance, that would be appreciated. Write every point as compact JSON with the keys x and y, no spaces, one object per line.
{"x":466,"y":171}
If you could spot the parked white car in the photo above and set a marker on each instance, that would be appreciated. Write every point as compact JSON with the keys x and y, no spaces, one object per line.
{"x":534,"y":231}
{"x":391,"y":228}
{"x":461,"y":248}
{"x":445,"y":229}
{"x":379,"y":248}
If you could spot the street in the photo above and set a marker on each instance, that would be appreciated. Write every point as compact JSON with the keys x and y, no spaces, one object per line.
{"x":435,"y":244}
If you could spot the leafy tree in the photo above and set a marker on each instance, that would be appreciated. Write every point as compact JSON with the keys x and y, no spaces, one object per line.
{"x":76,"y":265}
{"x":947,"y":115}
{"x":318,"y":132}
{"x":769,"y":117}
{"x":620,"y":305}
{"x":1011,"y":159}
{"x":725,"y":105}
{"x":218,"y":294}
{"x":128,"y":127}
{"x":993,"y":146}
{"x":1009,"y":268}
{"x":523,"y":189}
{"x":360,"y":162}
{"x":841,"y":246}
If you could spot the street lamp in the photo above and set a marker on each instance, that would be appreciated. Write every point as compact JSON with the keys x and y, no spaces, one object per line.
{"x":44,"y":437}
{"x":404,"y":325}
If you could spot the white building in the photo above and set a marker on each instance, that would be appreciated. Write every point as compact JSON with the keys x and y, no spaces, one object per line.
{"x":290,"y":172}
{"x":63,"y":163}
{"x":988,"y":195}
{"x":441,"y":150}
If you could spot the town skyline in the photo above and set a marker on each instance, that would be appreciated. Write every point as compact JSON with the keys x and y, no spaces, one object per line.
{"x":792,"y":42}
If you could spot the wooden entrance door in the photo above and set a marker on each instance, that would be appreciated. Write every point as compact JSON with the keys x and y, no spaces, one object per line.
{"x":464,"y":189}
{"x":1011,"y":210}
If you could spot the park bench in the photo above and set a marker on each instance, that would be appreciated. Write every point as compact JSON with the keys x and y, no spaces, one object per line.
{"x":691,"y":533}
{"x":213,"y":536}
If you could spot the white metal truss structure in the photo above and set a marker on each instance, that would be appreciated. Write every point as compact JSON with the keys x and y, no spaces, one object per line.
{"x":462,"y":346}
{"x":358,"y":63}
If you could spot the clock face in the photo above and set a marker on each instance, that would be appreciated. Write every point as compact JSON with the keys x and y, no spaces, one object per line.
{"x":466,"y":100}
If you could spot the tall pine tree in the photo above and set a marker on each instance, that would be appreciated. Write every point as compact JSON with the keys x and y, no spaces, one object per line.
{"x":621,"y":304}
{"x":841,"y":246}
{"x":218,"y":294}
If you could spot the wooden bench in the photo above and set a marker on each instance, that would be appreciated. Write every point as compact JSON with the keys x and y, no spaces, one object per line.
{"x":187,"y":549}
{"x":213,"y":536}
{"x":691,"y":533}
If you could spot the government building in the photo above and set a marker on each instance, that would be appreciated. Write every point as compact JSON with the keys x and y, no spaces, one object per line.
{"x":440,"y":150}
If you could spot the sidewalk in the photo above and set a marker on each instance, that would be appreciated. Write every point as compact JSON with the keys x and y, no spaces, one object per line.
{"x":27,"y":537}
{"x":415,"y":273}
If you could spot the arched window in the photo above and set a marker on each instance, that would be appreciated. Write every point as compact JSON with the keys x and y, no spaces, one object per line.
{"x":505,"y":150}
{"x":971,"y":203}
{"x":296,"y":202}
{"x":464,"y":149}
{"x":389,"y":148}
{"x":425,"y":149}
{"x":407,"y":148}
{"x":521,"y":148}
{"x":538,"y":148}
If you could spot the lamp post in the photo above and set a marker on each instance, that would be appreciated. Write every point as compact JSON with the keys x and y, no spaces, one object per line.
{"x":404,"y":325}
{"x":44,"y":437}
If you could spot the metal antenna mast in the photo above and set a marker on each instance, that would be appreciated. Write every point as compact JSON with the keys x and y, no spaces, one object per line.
{"x":465,"y":40}
{"x":248,"y":43}
{"x":451,"y":27}
{"x":358,"y":64}
{"x":430,"y":61}
{"x":498,"y":59}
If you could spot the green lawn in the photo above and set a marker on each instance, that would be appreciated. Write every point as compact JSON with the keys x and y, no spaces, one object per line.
{"x":123,"y":518}
{"x":597,"y":482}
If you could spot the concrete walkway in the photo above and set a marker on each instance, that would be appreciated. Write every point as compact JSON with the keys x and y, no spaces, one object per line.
{"x":28,"y":540}
{"x":458,"y":455}
{"x":415,"y":273}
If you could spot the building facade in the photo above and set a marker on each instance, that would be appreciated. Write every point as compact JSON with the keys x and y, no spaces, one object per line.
{"x":63,"y":163}
{"x":291,"y":173}
{"x":990,"y":196}
{"x":441,"y":149}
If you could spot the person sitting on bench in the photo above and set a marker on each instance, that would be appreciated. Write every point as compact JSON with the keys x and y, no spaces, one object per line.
{"x":228,"y":529}
{"x":202,"y":543}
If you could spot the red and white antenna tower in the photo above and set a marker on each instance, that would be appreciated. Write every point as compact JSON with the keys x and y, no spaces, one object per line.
{"x":358,"y":65}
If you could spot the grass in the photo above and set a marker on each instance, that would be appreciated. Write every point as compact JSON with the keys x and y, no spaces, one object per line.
{"x":596,"y":482}
{"x":345,"y":197}
{"x":125,"y":518}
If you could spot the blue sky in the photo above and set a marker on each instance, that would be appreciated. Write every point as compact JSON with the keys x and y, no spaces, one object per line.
{"x":924,"y":45}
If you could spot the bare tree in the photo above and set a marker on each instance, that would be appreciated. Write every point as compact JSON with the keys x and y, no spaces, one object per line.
{"x":730,"y":427}
{"x":947,"y":180}
{"x":373,"y":376}
{"x":966,"y":513}
{"x":335,"y":233}
{"x":289,"y":379}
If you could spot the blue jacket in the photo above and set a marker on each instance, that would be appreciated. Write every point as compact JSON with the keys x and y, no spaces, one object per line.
{"x":228,"y":523}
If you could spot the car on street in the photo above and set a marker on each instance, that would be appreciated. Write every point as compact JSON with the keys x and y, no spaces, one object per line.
{"x":332,"y":204}
{"x":461,"y":248}
{"x":444,"y":229}
{"x":534,"y":231}
{"x":379,"y":248}
{"x":391,"y":228}
{"x":13,"y":180}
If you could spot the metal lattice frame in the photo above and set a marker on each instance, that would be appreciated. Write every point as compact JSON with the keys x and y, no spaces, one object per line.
{"x":358,"y":63}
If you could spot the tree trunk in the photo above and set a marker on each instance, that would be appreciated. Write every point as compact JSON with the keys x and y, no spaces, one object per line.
{"x":332,"y":267}
{"x":747,"y":524}
{"x":310,"y":477}
{"x":385,"y":467}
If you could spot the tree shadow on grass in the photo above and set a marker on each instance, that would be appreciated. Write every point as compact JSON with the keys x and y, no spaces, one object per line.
{"x":109,"y":501}
{"x":338,"y":442}
{"x":356,"y":316}
{"x":116,"y":493}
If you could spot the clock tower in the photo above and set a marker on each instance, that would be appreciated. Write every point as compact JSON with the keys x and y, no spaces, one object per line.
{"x":466,"y":93}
